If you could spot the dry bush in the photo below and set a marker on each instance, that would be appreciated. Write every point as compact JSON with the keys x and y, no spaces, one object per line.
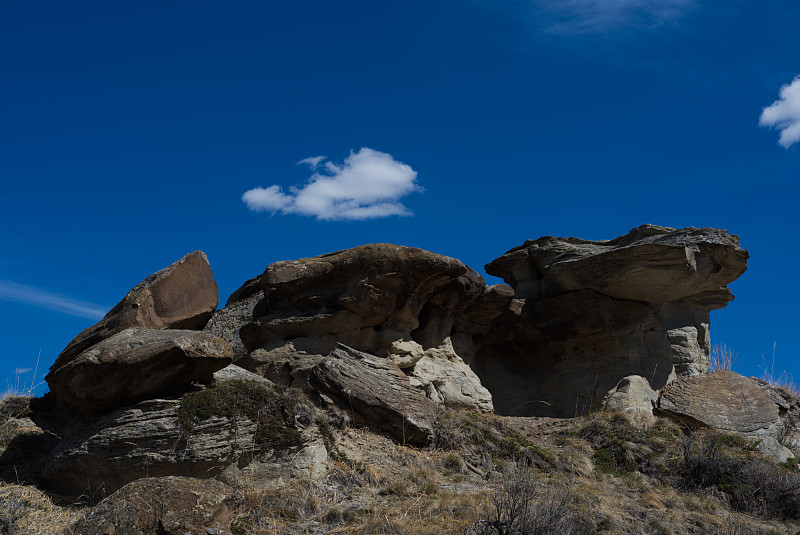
{"x":722,"y":358}
{"x":521,"y":505}
{"x":749,"y":484}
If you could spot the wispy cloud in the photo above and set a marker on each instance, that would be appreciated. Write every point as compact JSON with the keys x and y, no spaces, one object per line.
{"x":21,"y":371}
{"x":368,"y":185}
{"x":20,"y":293}
{"x":784,"y":114}
{"x":571,"y":17}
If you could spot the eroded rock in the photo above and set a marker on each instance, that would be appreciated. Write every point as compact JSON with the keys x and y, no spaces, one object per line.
{"x":180,"y":296}
{"x":723,"y":400}
{"x":376,"y":393}
{"x":164,"y":505}
{"x":406,"y":304}
{"x":589,"y":313}
{"x":137,"y":364}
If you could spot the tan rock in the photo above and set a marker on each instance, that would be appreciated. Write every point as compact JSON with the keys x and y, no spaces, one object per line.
{"x":723,"y":400}
{"x":180,"y":296}
{"x":376,"y":393}
{"x":137,"y":364}
{"x":633,"y":396}
{"x":165,"y":505}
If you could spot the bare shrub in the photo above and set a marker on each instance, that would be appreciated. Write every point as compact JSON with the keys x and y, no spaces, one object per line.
{"x":722,"y":358}
{"x":521,"y":505}
{"x":749,"y":484}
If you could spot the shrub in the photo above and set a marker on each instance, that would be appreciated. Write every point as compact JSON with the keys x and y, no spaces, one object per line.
{"x":520,"y":506}
{"x":275,"y":410}
{"x":749,"y":484}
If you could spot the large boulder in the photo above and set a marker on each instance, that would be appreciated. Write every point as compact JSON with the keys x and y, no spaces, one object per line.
{"x":406,"y":304}
{"x":137,"y":364}
{"x":180,"y":296}
{"x":164,"y":505}
{"x":589,"y":313}
{"x":376,"y":393}
{"x":723,"y":400}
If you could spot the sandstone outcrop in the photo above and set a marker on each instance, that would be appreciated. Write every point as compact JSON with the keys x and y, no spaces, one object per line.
{"x":419,"y":309}
{"x":164,"y":505}
{"x":144,"y":440}
{"x":180,"y":296}
{"x":137,"y":364}
{"x":632,"y":396}
{"x":376,"y":393}
{"x":589,"y":313}
{"x":723,"y":400}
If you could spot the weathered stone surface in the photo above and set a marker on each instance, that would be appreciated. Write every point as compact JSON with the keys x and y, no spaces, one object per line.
{"x":180,"y":296}
{"x":632,"y":396}
{"x":587,"y":314}
{"x":232,"y":372}
{"x":137,"y":364}
{"x":402,"y":303}
{"x":377,"y":393}
{"x":723,"y":400}
{"x":772,"y":449}
{"x":144,"y":440}
{"x":163,"y":505}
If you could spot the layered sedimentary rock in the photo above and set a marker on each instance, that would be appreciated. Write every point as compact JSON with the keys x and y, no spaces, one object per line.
{"x":419,"y":309}
{"x":589,"y":313}
{"x":137,"y":364}
{"x":180,"y":296}
{"x":377,"y":393}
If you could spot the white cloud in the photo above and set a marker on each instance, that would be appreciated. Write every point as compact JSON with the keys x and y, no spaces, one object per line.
{"x":20,"y":371}
{"x":784,"y":114}
{"x":312,"y":161}
{"x":19,"y":293}
{"x":368,"y":185}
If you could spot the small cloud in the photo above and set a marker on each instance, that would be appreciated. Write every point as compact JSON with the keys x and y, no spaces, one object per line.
{"x":19,"y":293}
{"x":20,"y":371}
{"x":368,"y":185}
{"x":784,"y":114}
{"x":312,"y":161}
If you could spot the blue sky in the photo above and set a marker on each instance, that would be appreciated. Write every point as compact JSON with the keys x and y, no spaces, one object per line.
{"x":130,"y":132}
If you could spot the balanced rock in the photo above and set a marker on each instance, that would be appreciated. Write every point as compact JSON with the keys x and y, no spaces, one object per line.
{"x":590,"y":313}
{"x":164,"y":505}
{"x":180,"y":296}
{"x":403,"y":303}
{"x":723,"y":400}
{"x":377,"y":393}
{"x":137,"y":364}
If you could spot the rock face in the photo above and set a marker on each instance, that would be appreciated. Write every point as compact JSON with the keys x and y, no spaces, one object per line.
{"x":419,"y":309}
{"x":137,"y":364}
{"x":589,"y":313}
{"x":144,"y":440}
{"x":377,"y":393}
{"x":180,"y":296}
{"x":722,"y":400}
{"x":164,"y":505}
{"x":633,"y":396}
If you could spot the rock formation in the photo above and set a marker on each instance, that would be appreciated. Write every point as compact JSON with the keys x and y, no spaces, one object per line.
{"x":589,"y":313}
{"x":180,"y":296}
{"x":377,"y":393}
{"x":416,"y":308}
{"x":138,"y":364}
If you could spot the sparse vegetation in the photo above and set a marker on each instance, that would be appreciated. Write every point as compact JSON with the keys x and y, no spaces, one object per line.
{"x":722,"y":358}
{"x":275,"y":410}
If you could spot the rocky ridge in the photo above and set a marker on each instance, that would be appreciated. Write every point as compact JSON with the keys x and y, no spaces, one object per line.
{"x":388,"y":337}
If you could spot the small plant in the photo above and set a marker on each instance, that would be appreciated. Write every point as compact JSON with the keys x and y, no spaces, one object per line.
{"x":783,"y":380}
{"x":722,"y":358}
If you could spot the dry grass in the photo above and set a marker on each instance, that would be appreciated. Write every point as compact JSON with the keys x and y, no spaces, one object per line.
{"x":722,"y":358}
{"x":27,"y":510}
